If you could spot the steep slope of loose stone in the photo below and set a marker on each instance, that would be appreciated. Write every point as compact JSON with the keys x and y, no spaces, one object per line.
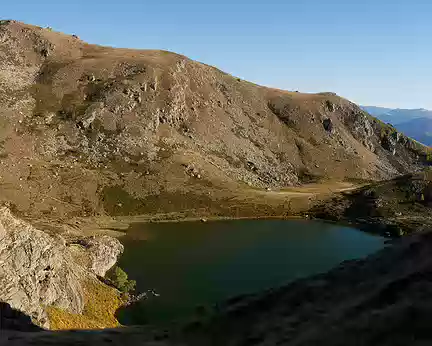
{"x":88,"y":130}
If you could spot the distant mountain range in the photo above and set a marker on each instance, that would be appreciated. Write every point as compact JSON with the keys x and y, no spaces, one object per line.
{"x":415,"y":123}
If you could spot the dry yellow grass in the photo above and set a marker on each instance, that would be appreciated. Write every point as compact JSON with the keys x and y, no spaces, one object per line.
{"x":101,"y":303}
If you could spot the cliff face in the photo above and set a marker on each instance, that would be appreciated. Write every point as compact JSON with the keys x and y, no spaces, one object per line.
{"x":38,"y":270}
{"x":124,"y":132}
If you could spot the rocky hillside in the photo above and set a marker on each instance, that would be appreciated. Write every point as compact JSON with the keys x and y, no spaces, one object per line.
{"x":50,"y":277}
{"x":396,"y":207}
{"x":88,"y":130}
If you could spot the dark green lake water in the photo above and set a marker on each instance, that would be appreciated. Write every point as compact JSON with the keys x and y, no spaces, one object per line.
{"x":193,"y":264}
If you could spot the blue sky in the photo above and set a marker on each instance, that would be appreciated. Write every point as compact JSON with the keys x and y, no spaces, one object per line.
{"x":372,"y":52}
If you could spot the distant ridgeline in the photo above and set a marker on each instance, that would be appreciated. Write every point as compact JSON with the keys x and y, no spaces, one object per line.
{"x":415,"y":123}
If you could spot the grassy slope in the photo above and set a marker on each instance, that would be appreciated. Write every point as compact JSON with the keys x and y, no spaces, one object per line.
{"x":101,"y":304}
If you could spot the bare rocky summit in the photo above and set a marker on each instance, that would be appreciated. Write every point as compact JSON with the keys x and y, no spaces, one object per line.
{"x":90,"y":130}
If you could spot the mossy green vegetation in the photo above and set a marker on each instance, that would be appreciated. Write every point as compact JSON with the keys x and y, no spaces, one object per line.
{"x":119,"y":279}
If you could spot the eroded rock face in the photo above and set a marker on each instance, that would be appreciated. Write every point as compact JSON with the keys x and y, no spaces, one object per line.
{"x":328,"y":125}
{"x":389,"y":142}
{"x":38,"y":270}
{"x":104,"y":252}
{"x":363,"y":130}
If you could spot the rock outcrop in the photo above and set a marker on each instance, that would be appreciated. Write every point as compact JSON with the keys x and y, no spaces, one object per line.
{"x":39,"y":270}
{"x":104,"y":252}
{"x":389,"y":142}
{"x":394,"y":207}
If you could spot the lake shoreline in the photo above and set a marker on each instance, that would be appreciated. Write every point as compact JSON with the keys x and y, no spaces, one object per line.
{"x":221,"y":260}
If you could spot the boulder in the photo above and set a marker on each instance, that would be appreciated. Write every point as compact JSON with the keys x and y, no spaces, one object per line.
{"x":389,"y":142}
{"x":328,"y":124}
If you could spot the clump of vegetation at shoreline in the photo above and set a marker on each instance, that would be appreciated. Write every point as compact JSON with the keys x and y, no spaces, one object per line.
{"x":119,"y":279}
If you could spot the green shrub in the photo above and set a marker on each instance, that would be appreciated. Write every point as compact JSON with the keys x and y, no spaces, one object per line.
{"x":119,"y":279}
